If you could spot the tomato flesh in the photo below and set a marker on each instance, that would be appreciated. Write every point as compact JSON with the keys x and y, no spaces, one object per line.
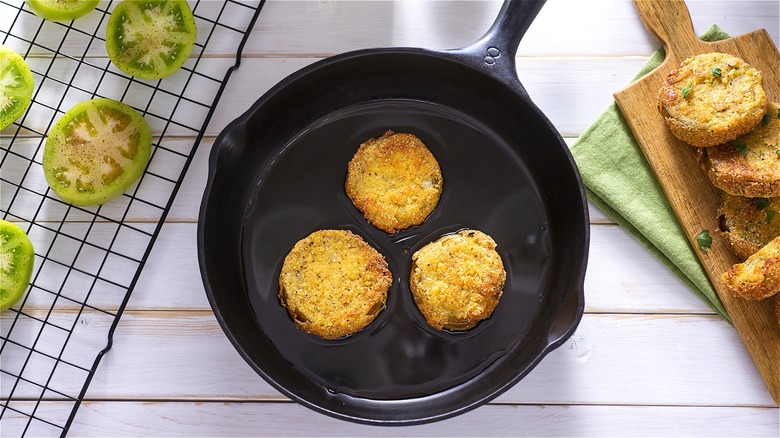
{"x":61,"y":10}
{"x":16,"y":263}
{"x":16,"y":86}
{"x":150,"y":39}
{"x":96,"y":151}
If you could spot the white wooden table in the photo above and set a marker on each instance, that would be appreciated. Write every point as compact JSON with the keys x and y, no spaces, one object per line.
{"x":648,"y":358}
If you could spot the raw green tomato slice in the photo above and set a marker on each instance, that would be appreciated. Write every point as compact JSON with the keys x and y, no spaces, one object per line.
{"x":96,"y":151}
{"x":61,"y":10}
{"x":16,"y":86}
{"x":16,"y":263}
{"x":150,"y":39}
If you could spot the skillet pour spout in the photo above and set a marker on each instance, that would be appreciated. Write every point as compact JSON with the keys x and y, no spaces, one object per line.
{"x":277,"y":174}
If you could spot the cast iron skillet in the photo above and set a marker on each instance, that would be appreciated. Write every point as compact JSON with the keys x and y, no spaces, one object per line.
{"x":276,"y":174}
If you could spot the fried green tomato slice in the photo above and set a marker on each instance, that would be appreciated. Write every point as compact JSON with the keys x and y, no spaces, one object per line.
{"x":333,"y":283}
{"x":457,"y":280}
{"x":712,"y":98}
{"x":150,"y":39}
{"x":747,"y":224}
{"x":758,"y":277}
{"x":16,"y":263}
{"x":395,"y":181}
{"x":16,"y":86}
{"x":750,"y":165}
{"x":61,"y":10}
{"x":96,"y":151}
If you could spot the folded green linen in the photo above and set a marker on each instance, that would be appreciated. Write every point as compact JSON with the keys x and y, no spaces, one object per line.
{"x":619,"y":181}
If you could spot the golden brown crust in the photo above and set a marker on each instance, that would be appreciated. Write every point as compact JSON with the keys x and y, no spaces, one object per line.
{"x":711,"y":99}
{"x":748,"y":224}
{"x":457,"y":280}
{"x":758,"y":277}
{"x":750,"y":165}
{"x":395,"y":181}
{"x":333,"y":283}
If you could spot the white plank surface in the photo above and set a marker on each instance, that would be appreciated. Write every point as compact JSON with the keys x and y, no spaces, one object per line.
{"x":218,"y":419}
{"x":649,"y":358}
{"x":638,"y":359}
{"x":317,"y":28}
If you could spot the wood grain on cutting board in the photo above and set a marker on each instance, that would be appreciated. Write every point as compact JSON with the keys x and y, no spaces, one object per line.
{"x":692,"y":196}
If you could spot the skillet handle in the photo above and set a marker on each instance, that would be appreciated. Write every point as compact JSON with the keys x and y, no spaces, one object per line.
{"x":495,"y":52}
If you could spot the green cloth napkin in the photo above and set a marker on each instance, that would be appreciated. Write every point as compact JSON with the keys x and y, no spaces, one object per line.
{"x":619,"y":181}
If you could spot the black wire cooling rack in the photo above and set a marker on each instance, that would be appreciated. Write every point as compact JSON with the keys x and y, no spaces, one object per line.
{"x":88,"y":260}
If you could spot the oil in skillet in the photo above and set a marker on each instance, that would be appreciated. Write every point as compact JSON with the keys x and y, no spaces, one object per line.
{"x":398,"y":355}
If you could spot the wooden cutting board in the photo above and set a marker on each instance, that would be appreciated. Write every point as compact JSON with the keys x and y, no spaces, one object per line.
{"x":692,"y":196}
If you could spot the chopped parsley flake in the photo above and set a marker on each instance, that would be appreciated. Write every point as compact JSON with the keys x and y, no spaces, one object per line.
{"x":741,"y":146}
{"x":762,"y":203}
{"x":686,"y":91}
{"x":716,"y":72}
{"x":770,"y":214}
{"x":704,"y":240}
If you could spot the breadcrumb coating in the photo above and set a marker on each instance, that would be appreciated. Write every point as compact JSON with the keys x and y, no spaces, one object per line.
{"x":749,"y":165}
{"x":394,"y":181}
{"x":758,"y":277}
{"x":333,"y":283}
{"x":457,"y":280}
{"x":748,"y":224}
{"x":711,"y":99}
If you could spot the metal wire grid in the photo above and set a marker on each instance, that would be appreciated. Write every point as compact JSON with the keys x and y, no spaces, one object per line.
{"x":88,"y":260}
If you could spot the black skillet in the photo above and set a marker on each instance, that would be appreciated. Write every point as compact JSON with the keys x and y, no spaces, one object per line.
{"x":277,"y":172}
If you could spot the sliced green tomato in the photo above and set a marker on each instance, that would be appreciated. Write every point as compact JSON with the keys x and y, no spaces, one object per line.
{"x":16,"y":263}
{"x":96,"y":151}
{"x":16,"y":86}
{"x":61,"y":10}
{"x":150,"y":39}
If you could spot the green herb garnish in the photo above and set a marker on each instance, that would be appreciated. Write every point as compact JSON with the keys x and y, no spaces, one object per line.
{"x":778,"y":113}
{"x":704,"y":240}
{"x":686,"y":91}
{"x":762,"y":203}
{"x":765,"y":120}
{"x":770,"y":214}
{"x":741,"y":146}
{"x":716,"y":72}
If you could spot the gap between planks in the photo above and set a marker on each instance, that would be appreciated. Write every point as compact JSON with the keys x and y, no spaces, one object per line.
{"x":281,"y":399}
